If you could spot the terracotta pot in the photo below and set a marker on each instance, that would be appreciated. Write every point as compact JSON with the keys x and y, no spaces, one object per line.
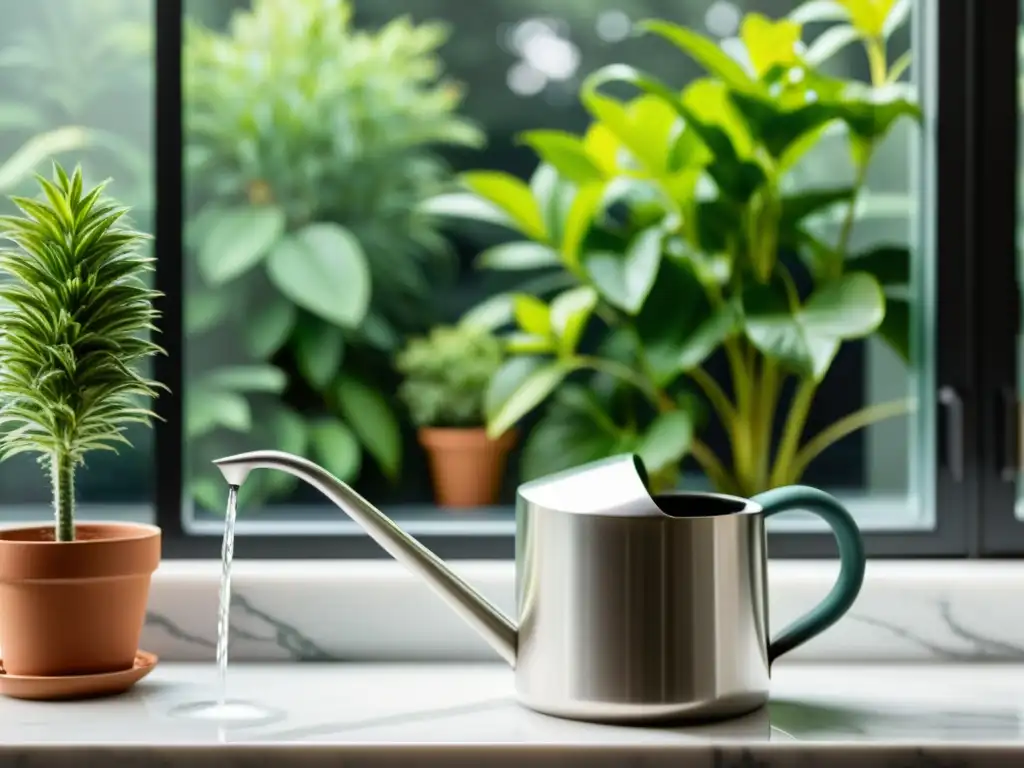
{"x":76,"y":607}
{"x":465,"y":464}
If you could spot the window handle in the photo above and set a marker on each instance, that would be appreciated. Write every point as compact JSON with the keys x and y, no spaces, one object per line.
{"x":952,"y":431}
{"x":1009,"y":426}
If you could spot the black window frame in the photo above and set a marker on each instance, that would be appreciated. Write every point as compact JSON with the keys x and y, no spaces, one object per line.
{"x":971,"y":129}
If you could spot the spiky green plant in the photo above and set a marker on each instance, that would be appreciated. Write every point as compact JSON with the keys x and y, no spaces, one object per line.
{"x":74,"y":323}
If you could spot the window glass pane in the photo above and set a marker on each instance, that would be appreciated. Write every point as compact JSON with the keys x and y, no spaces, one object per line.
{"x":77,"y":87}
{"x":311,"y":148}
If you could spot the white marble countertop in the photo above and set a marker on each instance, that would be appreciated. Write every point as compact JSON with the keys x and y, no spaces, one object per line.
{"x":923,"y":715}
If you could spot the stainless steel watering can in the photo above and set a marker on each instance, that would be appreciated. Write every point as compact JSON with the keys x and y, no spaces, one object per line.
{"x":631,"y":608}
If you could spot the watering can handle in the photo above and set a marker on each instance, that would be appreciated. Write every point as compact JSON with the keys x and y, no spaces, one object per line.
{"x":851,"y":562}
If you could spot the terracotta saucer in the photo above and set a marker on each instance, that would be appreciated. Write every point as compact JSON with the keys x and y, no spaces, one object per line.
{"x":76,"y":686}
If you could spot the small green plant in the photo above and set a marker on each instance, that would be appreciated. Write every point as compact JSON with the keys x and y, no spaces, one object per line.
{"x":447,"y":374}
{"x":682,"y":233}
{"x":74,"y":326}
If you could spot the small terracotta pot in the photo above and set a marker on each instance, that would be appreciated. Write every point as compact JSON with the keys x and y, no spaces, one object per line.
{"x":465,"y":464}
{"x":75,"y":607}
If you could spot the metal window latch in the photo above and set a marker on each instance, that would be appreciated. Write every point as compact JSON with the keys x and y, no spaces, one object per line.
{"x":951,"y":426}
{"x":1008,"y":430}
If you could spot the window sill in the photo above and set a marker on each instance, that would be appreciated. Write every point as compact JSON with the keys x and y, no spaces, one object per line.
{"x":465,"y":714}
{"x":373,"y":610}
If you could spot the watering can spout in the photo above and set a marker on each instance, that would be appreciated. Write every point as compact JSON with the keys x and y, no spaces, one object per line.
{"x":496,"y":628}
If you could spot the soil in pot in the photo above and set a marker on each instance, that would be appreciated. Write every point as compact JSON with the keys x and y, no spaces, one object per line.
{"x":465,"y":465}
{"x":74,"y":608}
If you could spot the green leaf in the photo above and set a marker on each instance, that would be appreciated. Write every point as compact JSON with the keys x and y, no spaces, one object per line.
{"x":204,"y":309}
{"x":517,"y":388}
{"x":770,"y":43}
{"x":625,"y":280}
{"x":208,"y":409}
{"x":829,"y":43}
{"x":491,"y":313}
{"x":707,"y":337}
{"x":570,"y":311}
{"x":888,"y":264}
{"x":676,"y":307}
{"x":796,"y":208}
{"x":237,"y":240}
{"x":666,"y":440}
{"x":819,"y":10}
{"x":288,"y":430}
{"x":705,"y":51}
{"x":374,"y":423}
{"x":268,"y":329}
{"x":518,"y":255}
{"x":567,"y":435}
{"x":532,"y":315}
{"x":897,"y":17}
{"x":336,"y":448}
{"x":247,"y":378}
{"x":868,"y":16}
{"x":528,"y":344}
{"x":585,"y":206}
{"x":565,"y":153}
{"x":40,"y":148}
{"x":465,"y":205}
{"x":323,"y":269}
{"x":871,"y":112}
{"x":318,"y":349}
{"x":778,"y":127}
{"x":512,"y":196}
{"x":807,"y":338}
{"x":895,"y":328}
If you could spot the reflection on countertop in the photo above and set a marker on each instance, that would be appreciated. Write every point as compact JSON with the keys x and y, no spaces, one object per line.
{"x":927,"y":715}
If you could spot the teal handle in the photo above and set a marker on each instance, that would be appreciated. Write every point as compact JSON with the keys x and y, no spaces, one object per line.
{"x":851,"y":562}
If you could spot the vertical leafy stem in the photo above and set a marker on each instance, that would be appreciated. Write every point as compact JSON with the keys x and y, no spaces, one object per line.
{"x":62,"y":471}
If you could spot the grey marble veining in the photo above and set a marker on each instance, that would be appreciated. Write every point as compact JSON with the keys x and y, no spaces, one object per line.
{"x":374,"y":611}
{"x":843,"y":716}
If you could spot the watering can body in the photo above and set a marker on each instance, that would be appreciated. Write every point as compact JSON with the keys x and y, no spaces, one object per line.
{"x":631,"y":608}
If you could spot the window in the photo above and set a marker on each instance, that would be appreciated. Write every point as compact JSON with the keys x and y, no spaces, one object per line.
{"x":266,"y":130}
{"x":78,"y":87}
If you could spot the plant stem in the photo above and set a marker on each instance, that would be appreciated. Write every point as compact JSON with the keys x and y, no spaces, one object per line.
{"x":62,"y":475}
{"x":845,"y":426}
{"x":792,"y":433}
{"x":716,"y":472}
{"x":765,"y":420}
{"x":718,"y":399}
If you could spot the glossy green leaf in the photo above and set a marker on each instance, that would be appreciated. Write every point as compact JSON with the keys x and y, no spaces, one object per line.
{"x":705,"y":51}
{"x":323,"y":269}
{"x":707,"y":337}
{"x":770,"y":43}
{"x":512,"y":196}
{"x":796,"y":208}
{"x":830,"y":42}
{"x":318,"y":348}
{"x":336,"y":448}
{"x":871,"y":112}
{"x":625,"y":280}
{"x":585,"y":207}
{"x":528,"y":344}
{"x":895,"y":328}
{"x":237,"y":240}
{"x":247,"y":378}
{"x":518,"y":256}
{"x":897,"y":17}
{"x":566,"y":436}
{"x":208,"y":409}
{"x":777,"y":127}
{"x":807,"y":338}
{"x":491,"y":313}
{"x":268,"y":328}
{"x":888,"y":264}
{"x":868,"y":16}
{"x":466,"y":205}
{"x":565,"y":153}
{"x":532,"y":314}
{"x":570,"y":311}
{"x":666,"y":440}
{"x":520,"y":386}
{"x":371,"y":418}
{"x":818,"y":11}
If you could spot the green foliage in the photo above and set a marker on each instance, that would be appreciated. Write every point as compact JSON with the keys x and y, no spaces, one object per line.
{"x":310,"y":145}
{"x":75,"y":320}
{"x":447,"y":374}
{"x":673,"y":217}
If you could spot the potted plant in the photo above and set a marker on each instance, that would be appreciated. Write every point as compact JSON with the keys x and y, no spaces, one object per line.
{"x":682,"y":233}
{"x":446,"y":375}
{"x":74,"y":319}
